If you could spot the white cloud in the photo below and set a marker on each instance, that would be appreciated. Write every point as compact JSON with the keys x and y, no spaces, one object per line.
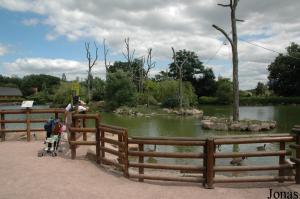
{"x":3,"y":50}
{"x":30,"y":22}
{"x":55,"y":67}
{"x":161,"y":24}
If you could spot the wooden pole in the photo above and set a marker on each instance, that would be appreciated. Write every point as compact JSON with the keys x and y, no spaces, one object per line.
{"x":120,"y":149}
{"x":73,"y":138}
{"x":141,"y":160}
{"x":97,"y":141}
{"x":56,"y":115}
{"x":102,"y":144}
{"x":204,"y":164}
{"x":297,"y":177}
{"x":28,"y":124}
{"x":281,"y":162}
{"x":126,"y":160}
{"x":210,"y":164}
{"x":83,"y":126}
{"x":2,"y":127}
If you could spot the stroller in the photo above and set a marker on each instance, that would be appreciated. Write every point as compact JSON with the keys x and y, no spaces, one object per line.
{"x":54,"y":129}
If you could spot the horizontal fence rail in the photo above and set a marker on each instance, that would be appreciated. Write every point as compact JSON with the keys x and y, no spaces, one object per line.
{"x":141,"y":154}
{"x":27,"y":121}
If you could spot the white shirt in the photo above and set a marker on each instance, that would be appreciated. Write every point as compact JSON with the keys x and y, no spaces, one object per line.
{"x":80,"y":108}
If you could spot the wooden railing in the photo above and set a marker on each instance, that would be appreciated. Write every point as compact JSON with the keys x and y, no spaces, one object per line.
{"x":281,"y":153}
{"x":112,"y":148}
{"x":141,"y":154}
{"x":28,"y":120}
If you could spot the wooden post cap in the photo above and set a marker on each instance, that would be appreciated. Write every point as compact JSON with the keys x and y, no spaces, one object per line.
{"x":296,"y":129}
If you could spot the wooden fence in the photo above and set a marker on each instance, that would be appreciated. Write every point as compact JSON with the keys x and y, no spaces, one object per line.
{"x":112,"y":148}
{"x":28,"y":120}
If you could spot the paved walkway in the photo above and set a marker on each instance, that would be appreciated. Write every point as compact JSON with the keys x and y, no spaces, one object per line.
{"x":23,"y":175}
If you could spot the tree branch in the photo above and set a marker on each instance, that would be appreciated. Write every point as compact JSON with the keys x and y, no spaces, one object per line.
{"x":94,"y":62}
{"x":240,"y":20}
{"x":224,"y":33}
{"x":224,"y":5}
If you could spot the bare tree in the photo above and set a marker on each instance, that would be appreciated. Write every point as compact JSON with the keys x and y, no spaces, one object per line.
{"x":179,"y":68}
{"x":105,"y":53}
{"x":233,"y":41}
{"x":129,"y":56}
{"x":150,"y":65}
{"x":91,"y":64}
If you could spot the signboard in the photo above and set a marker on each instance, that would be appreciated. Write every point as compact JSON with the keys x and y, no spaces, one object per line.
{"x":27,"y":104}
{"x":76,"y":88}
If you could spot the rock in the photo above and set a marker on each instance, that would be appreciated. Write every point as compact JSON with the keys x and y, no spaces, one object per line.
{"x":167,"y":110}
{"x":220,"y":126}
{"x":139,"y":114}
{"x":272,"y":124}
{"x":207,"y":124}
{"x":235,"y":127}
{"x":254,"y":127}
{"x":243,"y":127}
{"x":265,"y":126}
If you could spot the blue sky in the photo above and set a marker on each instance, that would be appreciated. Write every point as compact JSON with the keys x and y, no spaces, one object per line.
{"x":49,"y":36}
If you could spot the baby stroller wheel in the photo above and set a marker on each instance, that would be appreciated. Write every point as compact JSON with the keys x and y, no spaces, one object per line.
{"x":54,"y":154}
{"x":40,"y":153}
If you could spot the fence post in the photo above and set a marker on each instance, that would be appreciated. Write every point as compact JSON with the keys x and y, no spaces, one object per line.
{"x":97,"y":140}
{"x":2,"y":127}
{"x":141,"y":160}
{"x":28,"y":124}
{"x":281,"y":161}
{"x":73,"y":138}
{"x":210,"y":163}
{"x":56,"y":115}
{"x":204,"y":164}
{"x":102,"y":144}
{"x":84,"y":136}
{"x":126,"y":160}
{"x":296,"y":130}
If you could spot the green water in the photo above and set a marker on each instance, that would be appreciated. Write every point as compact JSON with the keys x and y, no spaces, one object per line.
{"x":175,"y":126}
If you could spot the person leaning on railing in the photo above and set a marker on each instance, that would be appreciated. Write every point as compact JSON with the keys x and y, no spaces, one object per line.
{"x":79,"y":107}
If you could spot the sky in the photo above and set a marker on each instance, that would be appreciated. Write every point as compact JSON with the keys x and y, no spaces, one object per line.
{"x":49,"y":36}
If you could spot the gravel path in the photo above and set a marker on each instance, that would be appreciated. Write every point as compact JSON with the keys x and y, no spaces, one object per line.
{"x":23,"y":175}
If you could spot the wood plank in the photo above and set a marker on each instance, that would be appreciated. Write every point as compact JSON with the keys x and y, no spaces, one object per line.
{"x":252,"y":154}
{"x":167,"y":166}
{"x":111,"y":151}
{"x":167,"y":178}
{"x":166,"y":154}
{"x":254,"y":179}
{"x":88,"y":130}
{"x":167,"y":142}
{"x":251,"y":168}
{"x":254,"y":140}
{"x":82,"y":142}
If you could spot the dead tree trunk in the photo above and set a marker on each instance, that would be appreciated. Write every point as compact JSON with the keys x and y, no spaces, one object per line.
{"x":150,"y":65}
{"x":90,"y":65}
{"x":129,"y":56}
{"x":105,"y":53}
{"x":179,"y":68}
{"x":233,"y":41}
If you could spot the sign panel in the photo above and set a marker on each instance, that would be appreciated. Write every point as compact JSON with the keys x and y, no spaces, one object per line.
{"x":76,"y":88}
{"x":27,"y":104}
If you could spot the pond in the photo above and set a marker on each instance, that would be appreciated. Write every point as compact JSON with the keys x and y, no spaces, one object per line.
{"x":176,"y":126}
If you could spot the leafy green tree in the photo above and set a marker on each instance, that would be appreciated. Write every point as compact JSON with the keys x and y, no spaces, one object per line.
{"x":224,"y":91}
{"x":133,"y":69}
{"x":98,"y":90}
{"x":205,"y":85}
{"x":203,"y":79}
{"x":119,"y":90}
{"x":261,"y":89}
{"x":63,"y":94}
{"x":39,"y":81}
{"x":284,"y":72}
